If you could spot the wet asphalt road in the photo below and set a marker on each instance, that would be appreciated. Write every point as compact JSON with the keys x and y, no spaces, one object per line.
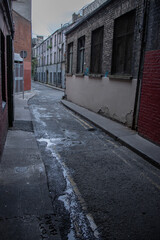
{"x":99,"y":188}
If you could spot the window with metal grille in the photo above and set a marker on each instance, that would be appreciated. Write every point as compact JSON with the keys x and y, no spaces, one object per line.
{"x":96,"y":50}
{"x":2,"y":66}
{"x":123,"y":44}
{"x":70,"y":57}
{"x":80,"y":54}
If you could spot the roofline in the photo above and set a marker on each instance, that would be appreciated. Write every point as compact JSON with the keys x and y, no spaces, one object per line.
{"x":61,"y":28}
{"x":88,"y":16}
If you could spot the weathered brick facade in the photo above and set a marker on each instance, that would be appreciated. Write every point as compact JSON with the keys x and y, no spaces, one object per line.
{"x":114,"y":98}
{"x":22,"y":41}
{"x":149,"y":116}
{"x":105,"y":17}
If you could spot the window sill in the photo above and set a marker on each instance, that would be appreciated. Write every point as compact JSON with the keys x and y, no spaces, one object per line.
{"x":95,"y":75}
{"x":123,"y":77}
{"x":69,"y":74}
{"x":79,"y":74}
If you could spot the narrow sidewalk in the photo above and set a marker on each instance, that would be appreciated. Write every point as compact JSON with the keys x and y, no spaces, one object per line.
{"x":126,"y":136}
{"x":26,"y":210}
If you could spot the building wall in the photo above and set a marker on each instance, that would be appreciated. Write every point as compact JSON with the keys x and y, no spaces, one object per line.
{"x":149,"y":116}
{"x":23,"y":8}
{"x":4,"y":27}
{"x":53,"y":67}
{"x":112,"y":97}
{"x":22,"y":41}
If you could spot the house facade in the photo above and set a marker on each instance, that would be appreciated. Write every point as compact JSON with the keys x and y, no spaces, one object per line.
{"x":50,"y":55}
{"x":22,"y":39}
{"x":6,"y":70}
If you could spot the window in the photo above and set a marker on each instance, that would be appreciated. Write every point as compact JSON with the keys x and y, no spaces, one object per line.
{"x":51,"y":58}
{"x":55,"y":57}
{"x":80,"y":54}
{"x":2,"y":66}
{"x":59,"y":55}
{"x":70,"y":57}
{"x":51,"y":77}
{"x":123,"y":44}
{"x":55,"y":40}
{"x":59,"y":38}
{"x":62,"y":52}
{"x":59,"y":78}
{"x":96,"y":51}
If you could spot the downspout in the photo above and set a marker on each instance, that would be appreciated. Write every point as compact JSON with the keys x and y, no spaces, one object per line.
{"x":141,"y":64}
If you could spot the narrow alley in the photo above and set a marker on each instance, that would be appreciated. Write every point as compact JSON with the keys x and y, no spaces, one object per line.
{"x":99,"y":188}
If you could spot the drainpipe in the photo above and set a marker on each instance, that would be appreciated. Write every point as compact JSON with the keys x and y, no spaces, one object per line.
{"x":141,"y":64}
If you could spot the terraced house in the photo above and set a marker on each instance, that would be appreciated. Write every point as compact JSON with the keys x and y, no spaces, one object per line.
{"x":113,"y":64}
{"x":50,"y":55}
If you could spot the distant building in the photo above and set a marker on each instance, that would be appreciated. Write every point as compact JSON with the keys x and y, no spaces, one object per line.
{"x":50,"y":55}
{"x":6,"y":70}
{"x":37,"y":40}
{"x":106,"y":52}
{"x":22,"y":39}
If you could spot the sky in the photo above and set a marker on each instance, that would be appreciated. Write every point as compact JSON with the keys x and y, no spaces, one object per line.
{"x":48,"y":15}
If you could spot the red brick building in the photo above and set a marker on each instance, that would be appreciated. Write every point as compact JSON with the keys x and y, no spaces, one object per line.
{"x":6,"y":70}
{"x":149,"y":115}
{"x":22,"y":38}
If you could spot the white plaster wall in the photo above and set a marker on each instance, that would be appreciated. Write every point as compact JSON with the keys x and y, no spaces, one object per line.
{"x":113,"y":98}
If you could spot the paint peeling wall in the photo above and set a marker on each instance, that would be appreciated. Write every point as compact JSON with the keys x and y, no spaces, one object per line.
{"x":114,"y":99}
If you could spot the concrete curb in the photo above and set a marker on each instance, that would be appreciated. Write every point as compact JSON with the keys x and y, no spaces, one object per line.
{"x":149,"y":151}
{"x":50,"y":86}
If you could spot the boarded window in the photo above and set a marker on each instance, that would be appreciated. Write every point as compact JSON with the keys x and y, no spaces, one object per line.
{"x":80,"y":54}
{"x":123,"y":43}
{"x":70,"y":57}
{"x":2,"y":66}
{"x":96,"y":51}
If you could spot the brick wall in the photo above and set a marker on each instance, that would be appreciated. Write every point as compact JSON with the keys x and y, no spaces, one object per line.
{"x":22,"y":41}
{"x":149,"y":115}
{"x":105,"y":17}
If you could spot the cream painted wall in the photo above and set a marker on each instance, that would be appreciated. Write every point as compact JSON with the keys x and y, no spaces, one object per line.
{"x":113,"y":98}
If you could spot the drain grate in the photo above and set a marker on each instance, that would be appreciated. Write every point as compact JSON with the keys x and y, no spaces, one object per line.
{"x":23,"y":125}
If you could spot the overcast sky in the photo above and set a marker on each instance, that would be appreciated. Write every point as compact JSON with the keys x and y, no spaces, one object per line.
{"x":48,"y":15}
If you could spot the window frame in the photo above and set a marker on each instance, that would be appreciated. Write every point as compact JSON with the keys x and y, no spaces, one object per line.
{"x":96,"y":63}
{"x":70,"y":58}
{"x":80,"y":54}
{"x":124,"y":38}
